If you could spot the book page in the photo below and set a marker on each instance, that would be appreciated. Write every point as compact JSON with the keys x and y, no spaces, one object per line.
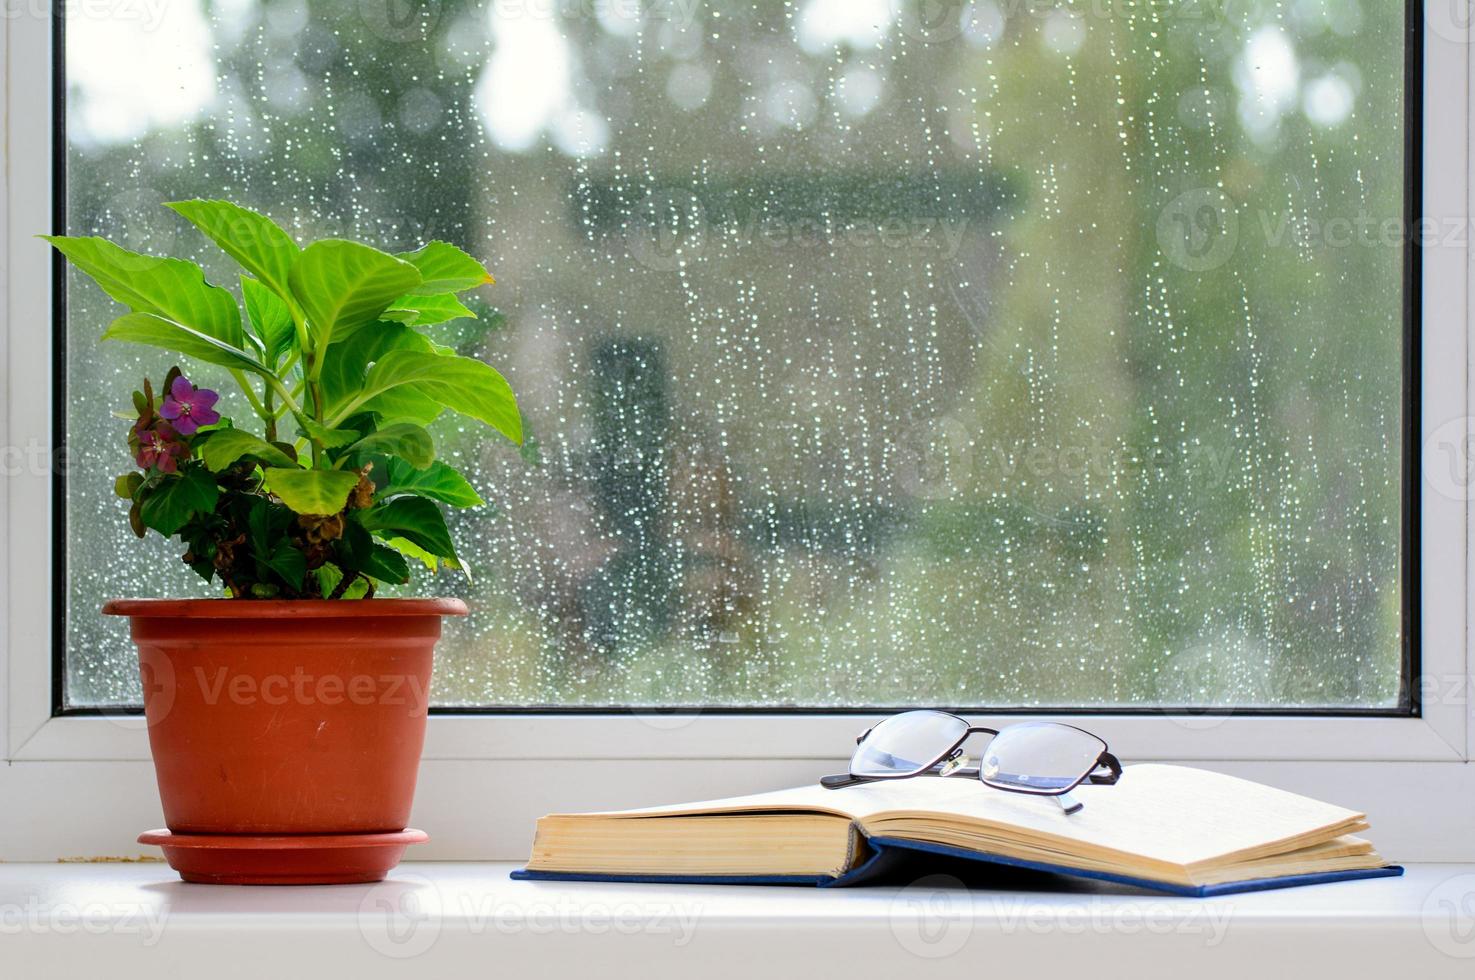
{"x":1172,"y":814}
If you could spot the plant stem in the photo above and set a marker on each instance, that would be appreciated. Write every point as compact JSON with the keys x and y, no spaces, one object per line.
{"x":300,"y":325}
{"x":343,"y":584}
{"x":271,"y":415}
{"x":348,"y":410}
{"x":285,"y":396}
{"x":313,"y":370}
{"x":256,"y":405}
{"x":288,"y":400}
{"x":315,"y":398}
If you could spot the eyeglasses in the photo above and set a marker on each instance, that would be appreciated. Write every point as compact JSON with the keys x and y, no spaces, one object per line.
{"x":1040,"y":758}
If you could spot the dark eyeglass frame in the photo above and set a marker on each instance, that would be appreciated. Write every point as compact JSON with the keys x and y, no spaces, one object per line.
{"x":938,"y":766}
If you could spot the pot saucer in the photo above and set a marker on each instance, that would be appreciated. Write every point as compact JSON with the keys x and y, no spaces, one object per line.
{"x":305,"y":859}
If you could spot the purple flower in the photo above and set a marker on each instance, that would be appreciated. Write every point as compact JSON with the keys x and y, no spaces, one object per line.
{"x":189,"y":407}
{"x":159,"y":445}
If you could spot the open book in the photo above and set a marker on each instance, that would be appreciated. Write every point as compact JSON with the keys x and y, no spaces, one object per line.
{"x":1169,"y":828}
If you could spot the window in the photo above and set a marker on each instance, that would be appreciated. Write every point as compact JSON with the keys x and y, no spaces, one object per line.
{"x":1039,"y":355}
{"x":487,"y":774}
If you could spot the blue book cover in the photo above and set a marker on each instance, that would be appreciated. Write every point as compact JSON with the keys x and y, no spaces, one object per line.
{"x":890,"y":860}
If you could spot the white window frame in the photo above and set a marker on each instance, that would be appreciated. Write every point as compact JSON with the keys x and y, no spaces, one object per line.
{"x":82,"y":786}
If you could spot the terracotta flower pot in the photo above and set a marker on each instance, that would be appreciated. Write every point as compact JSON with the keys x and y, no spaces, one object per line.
{"x":275,"y":720}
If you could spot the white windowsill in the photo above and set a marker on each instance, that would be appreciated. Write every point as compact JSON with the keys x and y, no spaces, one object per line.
{"x":125,"y":921}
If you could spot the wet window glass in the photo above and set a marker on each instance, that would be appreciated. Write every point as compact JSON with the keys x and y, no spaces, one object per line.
{"x":874,"y":352}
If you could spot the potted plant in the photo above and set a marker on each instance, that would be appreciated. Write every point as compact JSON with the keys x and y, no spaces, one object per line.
{"x":286,"y":719}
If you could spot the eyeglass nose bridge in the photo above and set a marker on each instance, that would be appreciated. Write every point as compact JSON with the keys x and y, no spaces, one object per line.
{"x":953,"y":762}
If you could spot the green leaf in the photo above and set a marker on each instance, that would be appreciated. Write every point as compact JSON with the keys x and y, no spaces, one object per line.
{"x":347,"y":363}
{"x":127,"y":485}
{"x":343,"y":285}
{"x":386,"y":565}
{"x":288,"y":562}
{"x":170,"y":505}
{"x":444,"y":268}
{"x":171,"y":288}
{"x":403,"y":439}
{"x":319,"y":492}
{"x":253,"y":240}
{"x":412,"y":550}
{"x":265,"y":520}
{"x":330,"y":438}
{"x":203,"y":567}
{"x":421,"y":311}
{"x":358,"y":551}
{"x":270,"y":317}
{"x":254,"y":346}
{"x":273,"y":551}
{"x":157,"y":331}
{"x":288,"y":450}
{"x":438,"y":482}
{"x":462,"y":384}
{"x":329,"y":576}
{"x":223,"y":447}
{"x":414,"y":518}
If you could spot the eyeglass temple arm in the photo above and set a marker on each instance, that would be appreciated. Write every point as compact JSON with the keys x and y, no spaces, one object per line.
{"x":841,"y":780}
